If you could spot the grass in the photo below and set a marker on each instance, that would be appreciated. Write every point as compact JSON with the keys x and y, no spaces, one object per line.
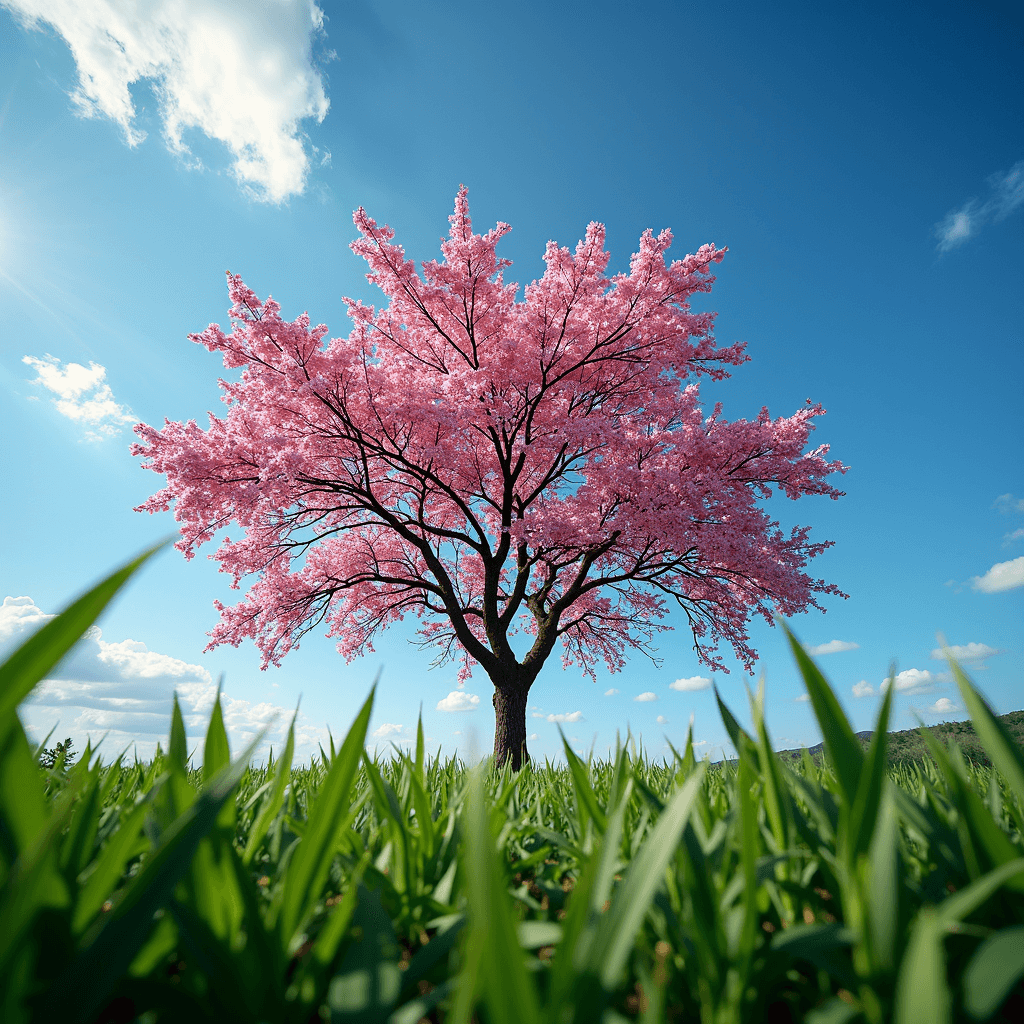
{"x":402,"y":888}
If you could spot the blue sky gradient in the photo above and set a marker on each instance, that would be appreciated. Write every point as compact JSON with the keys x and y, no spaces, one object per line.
{"x":863,"y":163}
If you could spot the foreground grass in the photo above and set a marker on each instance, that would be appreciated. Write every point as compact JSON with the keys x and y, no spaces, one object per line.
{"x":402,"y":888}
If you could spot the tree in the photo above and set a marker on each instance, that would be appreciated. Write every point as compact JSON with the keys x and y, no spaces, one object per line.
{"x":493,"y":466}
{"x":61,"y":757}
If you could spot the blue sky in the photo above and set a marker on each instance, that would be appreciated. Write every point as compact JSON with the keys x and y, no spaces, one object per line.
{"x":863,"y":163}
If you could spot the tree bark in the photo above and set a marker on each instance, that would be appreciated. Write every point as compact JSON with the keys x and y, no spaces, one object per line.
{"x":510,"y":725}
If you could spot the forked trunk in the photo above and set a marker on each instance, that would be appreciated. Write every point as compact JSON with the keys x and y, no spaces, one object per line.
{"x":510,"y":726}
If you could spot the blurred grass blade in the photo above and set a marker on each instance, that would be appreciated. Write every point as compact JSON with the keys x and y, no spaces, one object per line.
{"x":38,"y":655}
{"x":922,"y":995}
{"x":109,"y":948}
{"x":997,"y":965}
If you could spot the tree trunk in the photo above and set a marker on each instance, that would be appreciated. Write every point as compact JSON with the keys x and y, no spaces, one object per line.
{"x":510,"y":726}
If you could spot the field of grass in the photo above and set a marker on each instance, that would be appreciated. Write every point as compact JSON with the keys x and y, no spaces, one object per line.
{"x":407,"y":888}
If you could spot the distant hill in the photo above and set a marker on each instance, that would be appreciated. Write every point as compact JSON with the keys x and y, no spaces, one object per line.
{"x":908,"y":745}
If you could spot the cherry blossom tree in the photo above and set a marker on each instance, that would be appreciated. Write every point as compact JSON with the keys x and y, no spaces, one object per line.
{"x":493,"y":466}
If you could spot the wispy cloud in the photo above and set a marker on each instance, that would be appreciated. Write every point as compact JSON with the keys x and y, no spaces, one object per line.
{"x":832,"y":647}
{"x":971,"y":654}
{"x":803,"y":698}
{"x":1002,"y":576}
{"x":690,"y":685}
{"x":1007,"y":504}
{"x":458,"y":700}
{"x":386,"y":729}
{"x":645,"y":698}
{"x":243,"y":77}
{"x":611,"y":692}
{"x":123,"y":689}
{"x":1005,"y":195}
{"x":81,"y":395}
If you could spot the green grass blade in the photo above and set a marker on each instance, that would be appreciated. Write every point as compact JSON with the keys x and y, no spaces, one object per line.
{"x":311,"y":862}
{"x":216,"y":752}
{"x":109,"y":948}
{"x":623,"y":920}
{"x":922,"y":995}
{"x":965,"y":902}
{"x":273,"y":801}
{"x":998,"y":743}
{"x":997,"y":965}
{"x":507,"y":990}
{"x":864,"y":812}
{"x":38,"y":655}
{"x":588,"y":805}
{"x":844,"y":749}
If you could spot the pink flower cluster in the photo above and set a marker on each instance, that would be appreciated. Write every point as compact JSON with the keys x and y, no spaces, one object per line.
{"x":489,"y":464}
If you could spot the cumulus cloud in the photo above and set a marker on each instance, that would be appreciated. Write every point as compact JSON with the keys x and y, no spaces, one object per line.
{"x":803,"y":698}
{"x":832,"y":647}
{"x":689,"y":685}
{"x":661,"y":720}
{"x":943,"y":706}
{"x":1002,"y":576}
{"x":386,"y":729}
{"x":532,"y":736}
{"x":611,"y":692}
{"x":1006,"y":194}
{"x":863,"y":689}
{"x":242,"y":75}
{"x":458,"y":700}
{"x":645,"y":698}
{"x":126,"y":690}
{"x":968,"y":654}
{"x":915,"y":680}
{"x":81,"y":395}
{"x":574,"y":716}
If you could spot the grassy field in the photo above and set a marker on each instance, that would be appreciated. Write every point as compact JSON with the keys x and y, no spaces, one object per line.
{"x":407,"y":888}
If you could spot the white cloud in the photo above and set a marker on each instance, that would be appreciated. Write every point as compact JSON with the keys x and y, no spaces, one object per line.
{"x":126,"y":690}
{"x":1002,"y":576}
{"x":661,"y":720}
{"x":863,"y":689}
{"x":611,"y":692}
{"x":387,"y":729}
{"x":458,"y":700}
{"x":81,"y":395}
{"x":832,"y":647}
{"x":1006,"y":194}
{"x":943,"y":706}
{"x":914,"y":680}
{"x":645,"y":698}
{"x":689,"y":685}
{"x":967,"y":653}
{"x":803,"y":698}
{"x":242,"y":74}
{"x":575,"y":716}
{"x":1008,"y":503}
{"x":1016,"y":535}
{"x":532,"y":736}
